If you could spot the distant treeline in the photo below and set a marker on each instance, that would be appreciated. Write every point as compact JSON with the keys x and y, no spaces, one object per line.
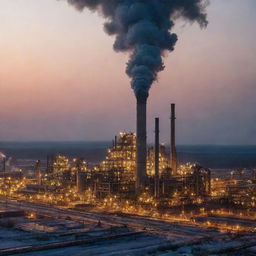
{"x":211,"y":156}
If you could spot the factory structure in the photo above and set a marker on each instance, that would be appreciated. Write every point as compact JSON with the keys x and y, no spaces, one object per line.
{"x":150,"y":192}
{"x":130,"y":169}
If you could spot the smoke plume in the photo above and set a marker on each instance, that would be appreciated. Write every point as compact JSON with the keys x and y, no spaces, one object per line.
{"x":143,"y":27}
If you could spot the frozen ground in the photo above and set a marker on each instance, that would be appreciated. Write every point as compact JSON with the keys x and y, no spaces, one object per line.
{"x":54,"y":234}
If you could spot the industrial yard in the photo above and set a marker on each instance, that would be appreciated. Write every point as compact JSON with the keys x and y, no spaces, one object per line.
{"x":44,"y":230}
{"x":121,"y":207}
{"x":67,"y":206}
{"x":79,"y":176}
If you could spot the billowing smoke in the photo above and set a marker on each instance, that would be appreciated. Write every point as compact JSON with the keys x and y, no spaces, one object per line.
{"x":143,"y":27}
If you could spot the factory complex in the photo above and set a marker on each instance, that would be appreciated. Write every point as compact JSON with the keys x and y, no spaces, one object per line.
{"x":152,"y":182}
{"x":136,"y":195}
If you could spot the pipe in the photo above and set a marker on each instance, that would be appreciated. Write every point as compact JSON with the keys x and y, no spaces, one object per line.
{"x":173,"y":153}
{"x":141,"y":142}
{"x":156,"y":157}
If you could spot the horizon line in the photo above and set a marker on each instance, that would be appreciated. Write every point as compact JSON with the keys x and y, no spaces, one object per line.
{"x":110,"y":141}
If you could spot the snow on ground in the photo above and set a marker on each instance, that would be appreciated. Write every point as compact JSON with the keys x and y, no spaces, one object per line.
{"x":158,"y":238}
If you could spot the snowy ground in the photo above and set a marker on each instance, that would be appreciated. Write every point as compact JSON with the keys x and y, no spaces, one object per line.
{"x":156,"y":237}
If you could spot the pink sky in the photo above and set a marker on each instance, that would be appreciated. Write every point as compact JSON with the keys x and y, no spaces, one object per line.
{"x":61,"y":80}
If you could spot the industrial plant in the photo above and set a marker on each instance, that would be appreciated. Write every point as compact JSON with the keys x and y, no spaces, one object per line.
{"x":140,"y":198}
{"x":129,"y":170}
{"x":144,"y":176}
{"x":136,"y":187}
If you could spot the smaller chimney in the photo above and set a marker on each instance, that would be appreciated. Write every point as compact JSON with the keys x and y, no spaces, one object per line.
{"x":115,"y":142}
{"x":4,"y":164}
{"x":156,"y":157}
{"x":173,"y":153}
{"x":38,"y":172}
{"x":49,"y":166}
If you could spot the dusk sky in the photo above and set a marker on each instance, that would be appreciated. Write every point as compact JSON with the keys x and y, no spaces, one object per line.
{"x":61,"y":80}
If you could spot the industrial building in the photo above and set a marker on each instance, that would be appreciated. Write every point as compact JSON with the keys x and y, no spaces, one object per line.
{"x":123,"y":169}
{"x":127,"y":180}
{"x":121,"y":175}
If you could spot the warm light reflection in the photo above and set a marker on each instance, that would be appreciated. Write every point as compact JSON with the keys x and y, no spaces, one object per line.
{"x":191,"y":196}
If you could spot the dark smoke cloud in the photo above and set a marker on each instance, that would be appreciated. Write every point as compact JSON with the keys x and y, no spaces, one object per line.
{"x":143,"y":27}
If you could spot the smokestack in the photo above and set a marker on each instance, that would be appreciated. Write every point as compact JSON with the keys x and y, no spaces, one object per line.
{"x":4,"y":164}
{"x":144,"y":29}
{"x":115,"y":142}
{"x":38,"y":172}
{"x":157,"y":157}
{"x":49,"y":166}
{"x":173,"y":153}
{"x":141,"y":142}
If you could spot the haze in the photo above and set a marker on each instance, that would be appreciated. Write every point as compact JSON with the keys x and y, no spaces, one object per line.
{"x":61,"y":80}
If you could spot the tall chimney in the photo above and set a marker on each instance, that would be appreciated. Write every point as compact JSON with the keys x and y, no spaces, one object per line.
{"x":156,"y":157}
{"x":173,"y":153}
{"x":141,"y":142}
